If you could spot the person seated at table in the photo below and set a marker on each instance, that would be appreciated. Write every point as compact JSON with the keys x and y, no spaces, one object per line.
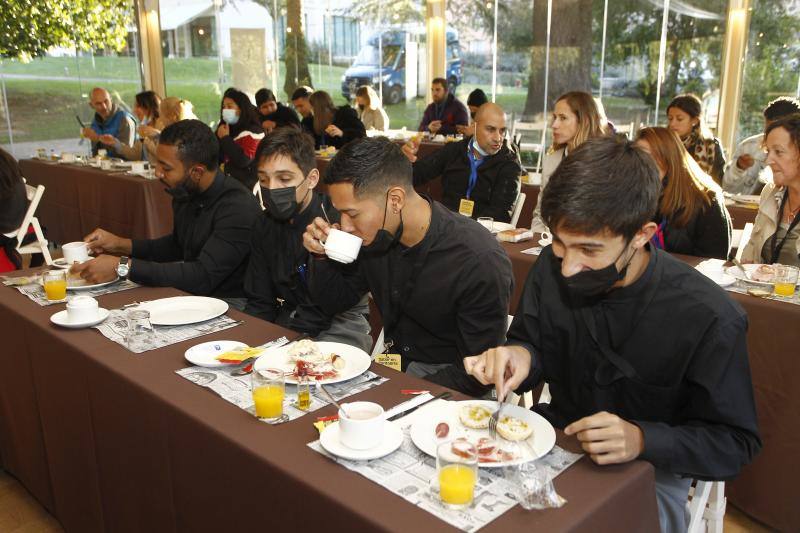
{"x":333,"y":126}
{"x":301,"y":103}
{"x":577,"y":117}
{"x":146,"y":109}
{"x":692,"y":218}
{"x":272,"y":113}
{"x":474,"y":101}
{"x":370,"y":109}
{"x":776,"y":231}
{"x":645,"y":357}
{"x":748,"y":171}
{"x":685,"y":117}
{"x":206,"y":253}
{"x":445,"y":112}
{"x":276,"y":282}
{"x":442,"y":282}
{"x":13,"y":205}
{"x":480,"y":175}
{"x":108,"y":120}
{"x":239,"y":133}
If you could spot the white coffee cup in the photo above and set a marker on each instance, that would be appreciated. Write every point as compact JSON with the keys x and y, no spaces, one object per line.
{"x":105,"y":164}
{"x":361,"y":425}
{"x":102,"y":152}
{"x":67,"y":157}
{"x":546,"y":239}
{"x":82,"y":309}
{"x":138,"y":167}
{"x":77,"y":251}
{"x":342,"y":246}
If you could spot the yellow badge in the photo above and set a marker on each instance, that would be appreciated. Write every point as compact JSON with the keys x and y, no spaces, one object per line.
{"x":392,"y":360}
{"x":465,"y":207}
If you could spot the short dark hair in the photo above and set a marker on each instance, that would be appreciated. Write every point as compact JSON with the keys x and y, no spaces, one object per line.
{"x":604,"y":184}
{"x":372,"y":165}
{"x":195,"y":141}
{"x":477,"y":98}
{"x":781,"y":107}
{"x":791,"y":123}
{"x":302,"y":92}
{"x":440,"y":81}
{"x":264,"y":95}
{"x":291,"y":142}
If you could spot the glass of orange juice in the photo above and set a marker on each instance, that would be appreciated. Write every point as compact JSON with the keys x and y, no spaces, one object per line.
{"x":268,"y":393}
{"x":55,"y":285}
{"x":785,"y":280}
{"x":457,"y":472}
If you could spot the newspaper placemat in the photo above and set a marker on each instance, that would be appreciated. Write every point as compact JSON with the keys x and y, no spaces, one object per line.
{"x":536,"y":250}
{"x":237,"y":389}
{"x":741,"y":287}
{"x":407,"y":472}
{"x":116,"y":325}
{"x":35,"y":291}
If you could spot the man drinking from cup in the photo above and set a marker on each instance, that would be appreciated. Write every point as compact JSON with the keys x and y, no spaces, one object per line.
{"x":441,"y":281}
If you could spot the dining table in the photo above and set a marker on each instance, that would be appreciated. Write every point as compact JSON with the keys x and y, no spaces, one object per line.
{"x":107,"y":440}
{"x":80,"y":198}
{"x":765,"y":489}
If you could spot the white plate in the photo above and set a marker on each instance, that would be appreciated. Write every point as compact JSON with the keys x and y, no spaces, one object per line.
{"x":356,"y":360}
{"x":62,"y":319}
{"x":746,"y":199}
{"x":80,"y":285}
{"x":60,"y":263}
{"x":205,"y":354}
{"x":719,"y":277}
{"x":497,"y":227}
{"x":750,"y":268}
{"x":423,"y":430}
{"x":181,"y":310}
{"x":392,"y":439}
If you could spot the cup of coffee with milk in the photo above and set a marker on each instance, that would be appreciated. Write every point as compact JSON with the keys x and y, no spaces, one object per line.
{"x":75,"y":252}
{"x":361,"y":425}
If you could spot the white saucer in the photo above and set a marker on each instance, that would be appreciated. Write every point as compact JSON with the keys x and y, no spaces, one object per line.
{"x":60,"y":263}
{"x":392,"y":439}
{"x":62,"y":319}
{"x":205,"y":354}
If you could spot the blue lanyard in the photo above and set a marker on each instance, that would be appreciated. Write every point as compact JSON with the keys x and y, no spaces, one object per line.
{"x":473,"y":168}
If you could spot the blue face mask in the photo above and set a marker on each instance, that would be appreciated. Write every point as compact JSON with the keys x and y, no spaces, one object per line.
{"x":230,"y":116}
{"x":478,"y":148}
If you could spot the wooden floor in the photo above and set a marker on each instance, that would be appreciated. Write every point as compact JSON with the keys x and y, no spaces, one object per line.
{"x":20,"y":513}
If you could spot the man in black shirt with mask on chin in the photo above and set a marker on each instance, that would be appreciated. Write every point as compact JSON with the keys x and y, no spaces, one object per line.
{"x":206,"y":253}
{"x":441,"y":281}
{"x":645,"y":357}
{"x":276,"y":282}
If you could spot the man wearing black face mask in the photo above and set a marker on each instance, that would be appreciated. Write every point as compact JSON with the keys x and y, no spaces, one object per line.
{"x":206,"y":253}
{"x":645,"y":357}
{"x":276,"y":282}
{"x":441,"y":281}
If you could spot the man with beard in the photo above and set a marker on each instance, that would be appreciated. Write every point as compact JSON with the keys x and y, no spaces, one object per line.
{"x":445,"y":112}
{"x":206,"y":253}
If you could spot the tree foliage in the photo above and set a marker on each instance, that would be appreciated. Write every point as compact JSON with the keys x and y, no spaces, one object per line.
{"x":28,"y":28}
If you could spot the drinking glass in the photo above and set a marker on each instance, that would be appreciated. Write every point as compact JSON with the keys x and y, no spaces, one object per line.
{"x":457,"y":472}
{"x":785,"y":280}
{"x":269,"y":390}
{"x":486,"y":222}
{"x":139,"y":337}
{"x":55,"y":285}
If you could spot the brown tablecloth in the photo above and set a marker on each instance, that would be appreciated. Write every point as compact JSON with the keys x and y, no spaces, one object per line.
{"x":766,"y":489}
{"x":110,"y":441}
{"x":78,"y":199}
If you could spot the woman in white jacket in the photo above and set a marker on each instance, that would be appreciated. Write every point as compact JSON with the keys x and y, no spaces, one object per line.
{"x":370,"y":109}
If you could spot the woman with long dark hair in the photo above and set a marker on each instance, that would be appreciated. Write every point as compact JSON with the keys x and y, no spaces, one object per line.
{"x":239,"y":133}
{"x":685,"y":117}
{"x":334,"y":126}
{"x":13,"y":204}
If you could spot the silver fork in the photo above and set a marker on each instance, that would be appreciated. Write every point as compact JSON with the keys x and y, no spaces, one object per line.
{"x":495,"y":418}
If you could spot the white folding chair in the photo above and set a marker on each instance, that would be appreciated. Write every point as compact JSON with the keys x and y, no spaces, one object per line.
{"x":744,"y":239}
{"x":39,"y":246}
{"x":518,"y":208}
{"x":707,"y":507}
{"x":257,"y":194}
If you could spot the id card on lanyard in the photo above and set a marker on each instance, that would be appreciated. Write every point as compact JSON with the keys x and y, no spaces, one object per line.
{"x":466,"y":206}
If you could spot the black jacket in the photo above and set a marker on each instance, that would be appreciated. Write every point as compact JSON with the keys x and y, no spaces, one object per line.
{"x":283,"y":116}
{"x":206,"y":253}
{"x":346,"y":119}
{"x":497,"y":187}
{"x":708,"y":233}
{"x":278,"y":270}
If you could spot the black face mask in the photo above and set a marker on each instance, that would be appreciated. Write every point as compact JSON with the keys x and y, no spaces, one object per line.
{"x":383,"y":239}
{"x":591,"y":283}
{"x":281,"y":203}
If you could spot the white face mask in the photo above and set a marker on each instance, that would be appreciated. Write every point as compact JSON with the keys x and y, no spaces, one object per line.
{"x":230,"y":116}
{"x":476,"y":145}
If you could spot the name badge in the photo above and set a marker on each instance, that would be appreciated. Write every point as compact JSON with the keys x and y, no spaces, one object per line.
{"x":465,"y":207}
{"x":392,"y":360}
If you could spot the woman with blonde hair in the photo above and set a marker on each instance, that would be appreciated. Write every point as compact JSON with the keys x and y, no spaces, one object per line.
{"x":692,"y":218}
{"x":370,"y":110}
{"x":685,"y":117}
{"x":333,"y":126}
{"x":577,"y":116}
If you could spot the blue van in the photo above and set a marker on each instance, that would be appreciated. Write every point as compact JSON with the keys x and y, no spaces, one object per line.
{"x":365,"y":69}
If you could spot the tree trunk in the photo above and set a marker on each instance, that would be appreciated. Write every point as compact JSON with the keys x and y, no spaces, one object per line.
{"x":296,"y":51}
{"x":570,"y":52}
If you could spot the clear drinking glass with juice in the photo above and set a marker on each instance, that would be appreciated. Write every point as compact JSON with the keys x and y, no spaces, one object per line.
{"x":457,"y":472}
{"x":55,"y":285}
{"x":785,"y":280}
{"x":268,"y":393}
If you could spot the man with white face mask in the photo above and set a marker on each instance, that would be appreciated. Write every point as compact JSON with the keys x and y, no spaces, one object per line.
{"x":645,"y":357}
{"x":480,"y":174}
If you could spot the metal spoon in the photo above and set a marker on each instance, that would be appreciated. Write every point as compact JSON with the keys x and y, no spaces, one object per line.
{"x":332,"y":400}
{"x":741,"y":267}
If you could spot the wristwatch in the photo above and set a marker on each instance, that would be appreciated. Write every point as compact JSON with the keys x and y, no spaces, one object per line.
{"x":123,"y":267}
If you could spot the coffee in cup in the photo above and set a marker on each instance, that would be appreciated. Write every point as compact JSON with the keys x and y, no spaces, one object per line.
{"x":75,"y":252}
{"x":82,"y":309}
{"x":361,"y":425}
{"x":105,"y":164}
{"x":342,"y":246}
